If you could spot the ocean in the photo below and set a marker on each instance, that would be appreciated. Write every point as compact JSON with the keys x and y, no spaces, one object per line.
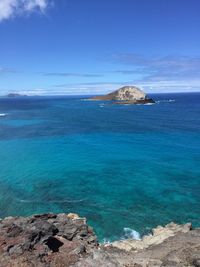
{"x":126,"y":168}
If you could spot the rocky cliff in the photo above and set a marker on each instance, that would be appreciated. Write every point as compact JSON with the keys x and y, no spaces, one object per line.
{"x":126,"y":95}
{"x":45,"y":240}
{"x":63,"y":240}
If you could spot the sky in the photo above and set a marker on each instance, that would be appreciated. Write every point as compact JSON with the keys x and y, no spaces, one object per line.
{"x":57,"y":47}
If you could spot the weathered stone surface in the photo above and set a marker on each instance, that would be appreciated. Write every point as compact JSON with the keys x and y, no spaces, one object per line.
{"x":126,"y":95}
{"x":44,"y":240}
{"x":159,"y":234}
{"x":170,"y":246}
{"x":61,"y":240}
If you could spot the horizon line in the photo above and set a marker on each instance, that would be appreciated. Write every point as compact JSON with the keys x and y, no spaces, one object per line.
{"x":46,"y":95}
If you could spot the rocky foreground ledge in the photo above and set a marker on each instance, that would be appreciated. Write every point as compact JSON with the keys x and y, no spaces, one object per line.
{"x":62,"y":240}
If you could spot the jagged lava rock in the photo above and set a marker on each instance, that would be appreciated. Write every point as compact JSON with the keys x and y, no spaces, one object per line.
{"x":44,"y":240}
{"x":64,"y":240}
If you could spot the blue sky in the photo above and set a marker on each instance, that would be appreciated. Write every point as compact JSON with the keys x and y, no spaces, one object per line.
{"x":95,"y":46}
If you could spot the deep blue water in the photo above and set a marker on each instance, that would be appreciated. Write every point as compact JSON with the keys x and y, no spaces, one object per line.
{"x":120,"y":166}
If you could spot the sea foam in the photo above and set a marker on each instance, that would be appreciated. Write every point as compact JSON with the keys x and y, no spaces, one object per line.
{"x":51,"y":201}
{"x":131,"y":234}
{"x":2,"y":114}
{"x":149,"y":104}
{"x":165,"y":101}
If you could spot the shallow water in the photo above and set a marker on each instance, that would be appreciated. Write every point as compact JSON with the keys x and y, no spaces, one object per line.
{"x":120,"y":166}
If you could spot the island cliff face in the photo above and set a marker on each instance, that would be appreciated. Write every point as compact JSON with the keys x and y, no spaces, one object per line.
{"x":126,"y":95}
{"x":64,"y":240}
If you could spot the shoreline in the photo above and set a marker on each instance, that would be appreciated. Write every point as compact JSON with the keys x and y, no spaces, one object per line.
{"x":60,"y":240}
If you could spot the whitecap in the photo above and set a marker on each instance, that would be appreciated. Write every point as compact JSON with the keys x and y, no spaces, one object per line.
{"x":3,"y":114}
{"x":90,"y":99}
{"x":165,"y":101}
{"x":52,"y":201}
{"x":149,"y":104}
{"x":131,"y":234}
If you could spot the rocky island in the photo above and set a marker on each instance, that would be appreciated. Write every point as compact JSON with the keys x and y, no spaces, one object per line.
{"x":64,"y":240}
{"x":126,"y":95}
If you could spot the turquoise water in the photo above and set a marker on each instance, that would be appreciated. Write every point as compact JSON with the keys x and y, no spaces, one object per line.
{"x":119,"y":166}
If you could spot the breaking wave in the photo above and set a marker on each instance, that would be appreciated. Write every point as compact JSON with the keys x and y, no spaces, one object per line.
{"x":131,"y":234}
{"x":149,"y":104}
{"x":128,"y":234}
{"x":101,"y":106}
{"x":3,"y":114}
{"x":165,"y":101}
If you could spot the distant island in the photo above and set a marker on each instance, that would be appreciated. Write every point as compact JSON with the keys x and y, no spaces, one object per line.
{"x":126,"y":95}
{"x":15,"y":95}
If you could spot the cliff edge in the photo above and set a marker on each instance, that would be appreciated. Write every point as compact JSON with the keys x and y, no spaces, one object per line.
{"x":64,"y":240}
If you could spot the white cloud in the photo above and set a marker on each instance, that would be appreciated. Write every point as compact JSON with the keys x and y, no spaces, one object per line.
{"x":93,"y":88}
{"x":31,"y":92}
{"x":12,"y":8}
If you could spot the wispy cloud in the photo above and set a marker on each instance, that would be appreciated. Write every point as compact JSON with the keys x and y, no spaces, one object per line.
{"x":7,"y":70}
{"x":147,"y":86}
{"x":31,"y":92}
{"x":13,"y":8}
{"x":125,"y":72}
{"x":104,"y":83}
{"x":162,"y":68}
{"x":89,"y":88}
{"x":72,"y":74}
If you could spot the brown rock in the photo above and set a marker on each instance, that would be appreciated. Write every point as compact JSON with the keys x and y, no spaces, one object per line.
{"x":61,"y":240}
{"x":44,"y":240}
